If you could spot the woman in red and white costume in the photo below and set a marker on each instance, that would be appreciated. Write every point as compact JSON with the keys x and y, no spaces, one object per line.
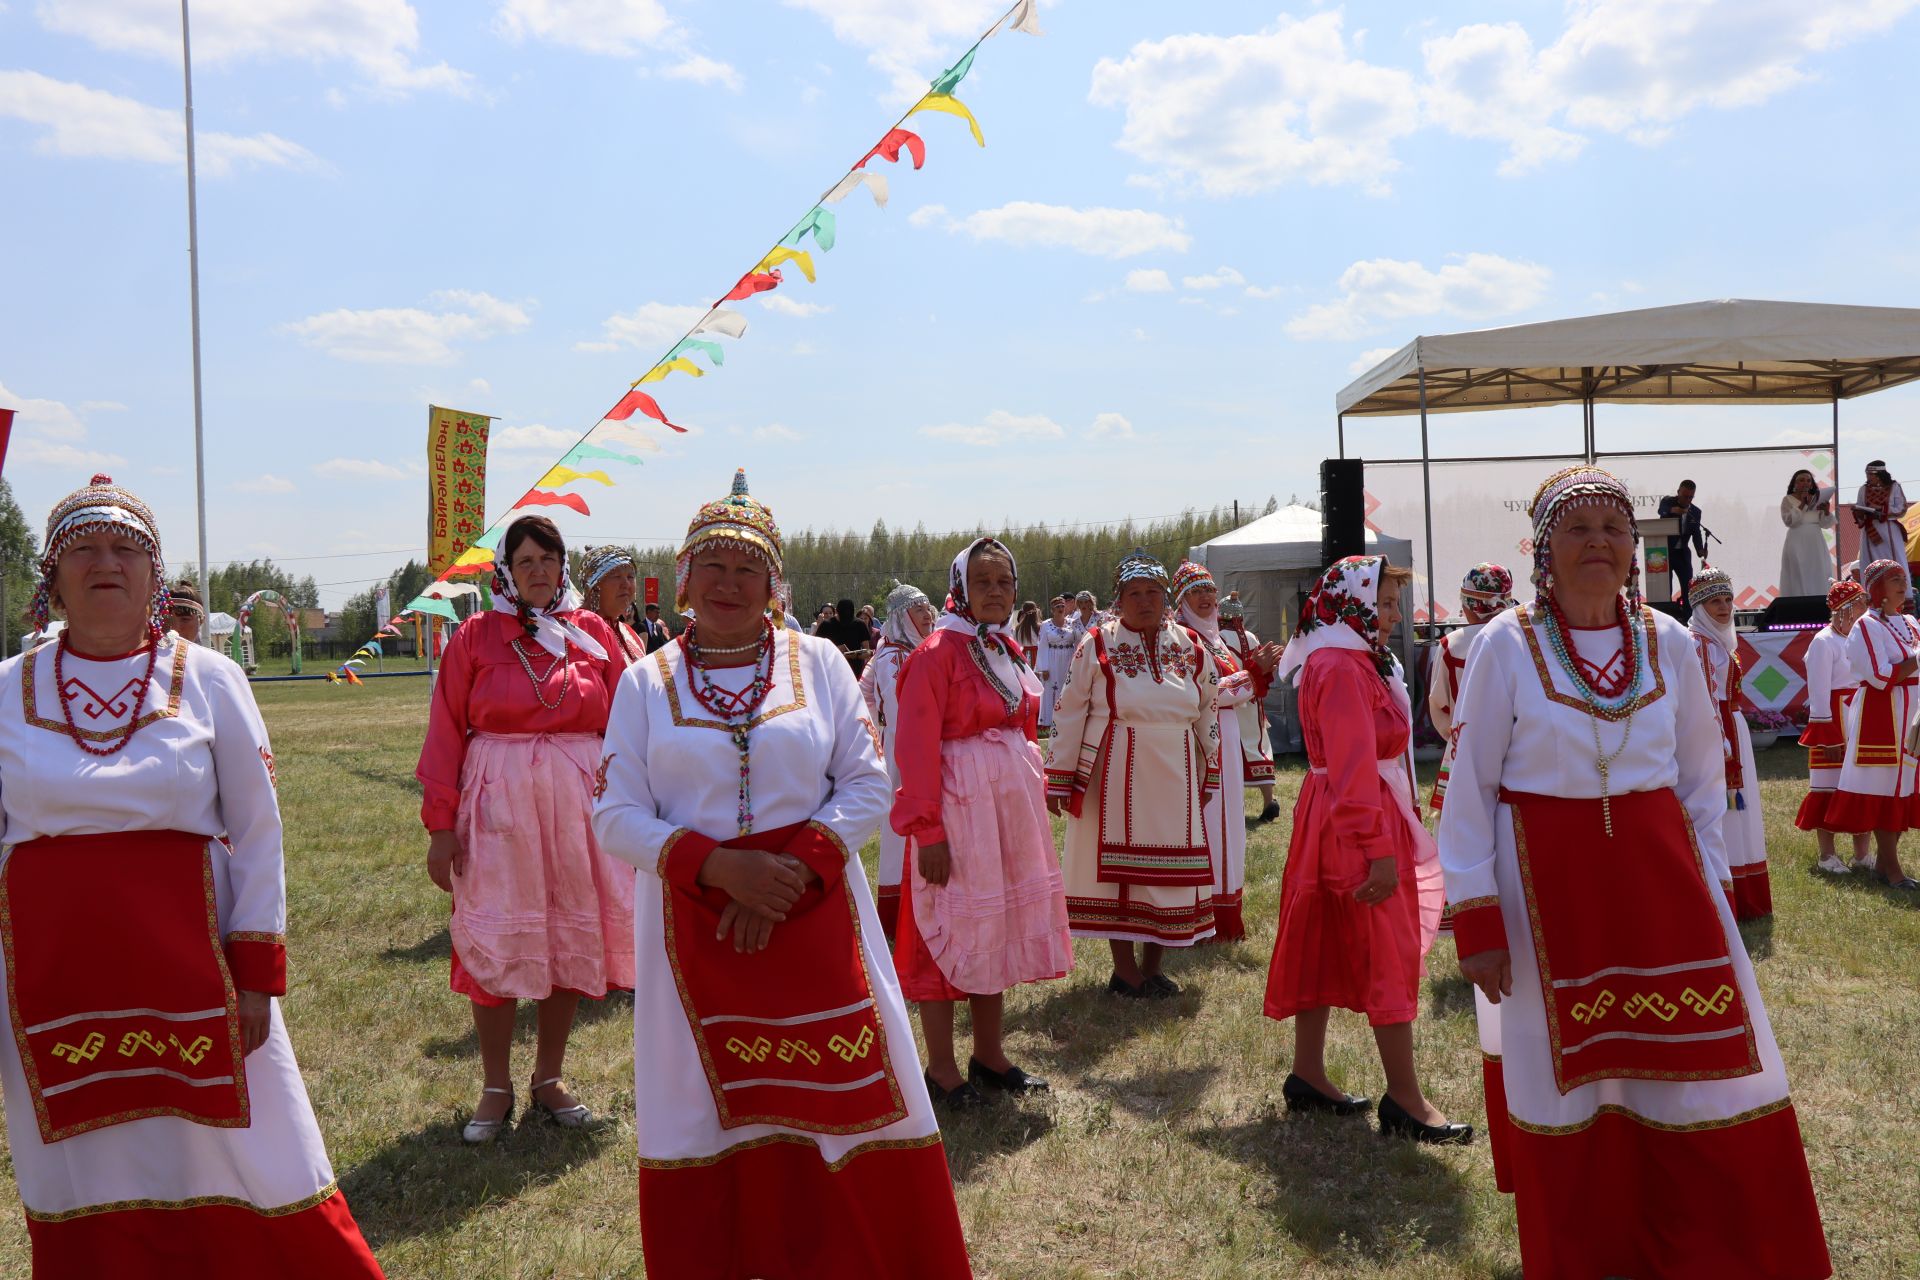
{"x":1830,"y":686}
{"x":1743,"y":831}
{"x":1135,"y":749}
{"x":1880,"y":778}
{"x":783,"y":1124}
{"x":609,"y":582}
{"x":984,"y":907}
{"x":507,"y":778}
{"x":1636,"y":1099}
{"x":1485,"y":593}
{"x":1256,"y":746}
{"x":1361,"y":897}
{"x":156,"y":1117}
{"x":1196,"y":606}
{"x":909,"y":621}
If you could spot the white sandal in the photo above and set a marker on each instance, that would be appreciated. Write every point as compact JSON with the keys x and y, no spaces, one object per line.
{"x":478,"y":1132}
{"x":576,"y":1116}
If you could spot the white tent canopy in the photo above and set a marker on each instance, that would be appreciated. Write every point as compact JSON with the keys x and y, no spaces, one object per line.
{"x":1732,"y":351}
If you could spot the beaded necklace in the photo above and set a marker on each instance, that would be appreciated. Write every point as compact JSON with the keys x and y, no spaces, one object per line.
{"x":540,"y":678}
{"x":133,"y":717}
{"x":734,"y":710}
{"x":1011,"y":698}
{"x":1614,"y":700}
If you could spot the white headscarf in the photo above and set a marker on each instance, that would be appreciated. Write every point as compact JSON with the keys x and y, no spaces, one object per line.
{"x":551,"y":630}
{"x":1710,"y":584}
{"x":899,"y":626}
{"x":994,"y":638}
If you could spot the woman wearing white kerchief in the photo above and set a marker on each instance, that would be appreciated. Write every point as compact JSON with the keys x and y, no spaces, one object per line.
{"x":1057,"y":639}
{"x":1361,"y":896}
{"x":984,"y":908}
{"x":1135,"y":750}
{"x":1196,"y":604}
{"x":611,"y":583}
{"x":909,"y":621}
{"x":1742,"y":831}
{"x":513,"y":739}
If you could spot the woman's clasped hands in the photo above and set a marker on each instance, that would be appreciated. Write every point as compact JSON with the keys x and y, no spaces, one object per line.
{"x":763,"y":887}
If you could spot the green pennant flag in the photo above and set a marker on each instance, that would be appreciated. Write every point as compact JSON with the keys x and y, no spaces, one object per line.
{"x":581,"y":452}
{"x":820,"y":222}
{"x":711,"y":350}
{"x":949,"y":80}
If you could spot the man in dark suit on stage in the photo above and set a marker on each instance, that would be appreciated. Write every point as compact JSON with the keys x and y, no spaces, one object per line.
{"x":1681,"y":550}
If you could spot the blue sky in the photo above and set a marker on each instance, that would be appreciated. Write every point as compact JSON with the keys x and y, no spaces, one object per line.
{"x":1190,"y":226}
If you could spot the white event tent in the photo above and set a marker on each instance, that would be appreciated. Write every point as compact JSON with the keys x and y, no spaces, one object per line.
{"x":1725,"y":352}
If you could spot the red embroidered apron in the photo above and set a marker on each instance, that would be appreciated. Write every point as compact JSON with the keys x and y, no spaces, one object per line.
{"x":117,"y":984}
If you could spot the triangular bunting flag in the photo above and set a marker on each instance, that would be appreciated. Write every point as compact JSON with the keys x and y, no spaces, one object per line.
{"x":874,"y":182}
{"x":751,"y":283}
{"x":949,"y":80}
{"x":889,"y":148}
{"x":567,"y":475}
{"x":798,"y":257}
{"x":728,"y":324}
{"x":818,"y":221}
{"x":641,"y":402}
{"x":712,"y":350}
{"x":953,"y":107}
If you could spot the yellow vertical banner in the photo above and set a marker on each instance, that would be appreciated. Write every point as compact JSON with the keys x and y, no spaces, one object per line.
{"x":456,"y":484}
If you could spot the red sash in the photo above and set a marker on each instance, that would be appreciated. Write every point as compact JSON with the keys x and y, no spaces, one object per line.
{"x":790,"y":1035}
{"x":118,"y":989}
{"x":1633,"y":960}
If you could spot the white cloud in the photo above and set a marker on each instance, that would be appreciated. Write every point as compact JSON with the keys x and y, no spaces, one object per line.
{"x":906,"y":40}
{"x":999,"y":427}
{"x":359,"y":469}
{"x":1379,"y":290}
{"x":1266,"y":291}
{"x":776,"y":433}
{"x":701,"y":69}
{"x":266,"y":483}
{"x":782,"y":305}
{"x":533,"y":436}
{"x":411,"y":335}
{"x":94,"y":123}
{"x":647,"y":327}
{"x":1154,"y":281}
{"x":1102,"y":233}
{"x":1221,"y":279}
{"x":1369,"y":358}
{"x":480,"y":386}
{"x":378,"y":37}
{"x":50,"y":433}
{"x":1110,"y":426}
{"x":1234,"y":115}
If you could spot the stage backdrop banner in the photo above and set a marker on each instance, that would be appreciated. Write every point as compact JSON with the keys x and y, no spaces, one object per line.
{"x":1480,"y":513}
{"x":456,"y":484}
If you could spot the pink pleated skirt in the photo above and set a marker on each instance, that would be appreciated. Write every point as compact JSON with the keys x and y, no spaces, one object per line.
{"x":540,"y":909}
{"x":1001,"y":918}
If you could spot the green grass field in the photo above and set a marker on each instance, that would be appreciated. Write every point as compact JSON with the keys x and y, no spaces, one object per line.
{"x":1164,"y":1150}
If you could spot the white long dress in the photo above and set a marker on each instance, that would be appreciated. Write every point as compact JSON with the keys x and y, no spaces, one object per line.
{"x":1051,"y":664}
{"x":1884,"y":538}
{"x":1806,"y":565}
{"x":1643,"y":1172}
{"x":200,"y":764}
{"x":1744,"y":830}
{"x":712,"y":1181}
{"x":1830,"y":685}
{"x":879,"y":687}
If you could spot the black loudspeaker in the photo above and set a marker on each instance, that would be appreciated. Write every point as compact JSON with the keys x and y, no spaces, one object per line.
{"x":1343,"y":509}
{"x":1796,"y":613}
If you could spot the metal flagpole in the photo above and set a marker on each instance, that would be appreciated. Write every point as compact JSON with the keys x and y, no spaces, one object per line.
{"x":193,"y":286}
{"x":1838,"y":572}
{"x":1426,"y":490}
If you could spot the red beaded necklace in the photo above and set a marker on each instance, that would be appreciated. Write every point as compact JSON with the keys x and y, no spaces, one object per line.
{"x":66,"y":710}
{"x":1603,"y":685}
{"x":735,"y":711}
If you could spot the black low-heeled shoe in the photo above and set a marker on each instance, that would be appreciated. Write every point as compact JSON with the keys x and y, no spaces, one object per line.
{"x":1302,"y":1096}
{"x":1396,"y":1123}
{"x":962,"y":1097}
{"x":1012,"y":1080}
{"x":1270,"y":812}
{"x":1159,"y":986}
{"x":1119,"y":986}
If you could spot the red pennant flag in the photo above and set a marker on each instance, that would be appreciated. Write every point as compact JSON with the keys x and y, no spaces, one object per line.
{"x":644,"y":403}
{"x":541,"y":498}
{"x":6,"y":432}
{"x":889,"y":148}
{"x":751,"y":283}
{"x":470,"y":570}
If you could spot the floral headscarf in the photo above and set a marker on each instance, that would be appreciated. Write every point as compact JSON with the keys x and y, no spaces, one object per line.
{"x":958,"y":610}
{"x":992,"y":645}
{"x":1340,"y":614}
{"x":1486,"y":590}
{"x":546,"y":626}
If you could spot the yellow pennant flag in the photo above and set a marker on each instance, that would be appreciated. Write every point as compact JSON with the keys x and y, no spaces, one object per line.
{"x":475,"y":555}
{"x":799,"y":257}
{"x":567,"y":475}
{"x":679,"y":364}
{"x":953,"y":107}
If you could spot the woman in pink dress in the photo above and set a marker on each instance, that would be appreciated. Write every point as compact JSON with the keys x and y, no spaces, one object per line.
{"x":985,"y":907}
{"x":508,"y":768}
{"x":1361,"y":896}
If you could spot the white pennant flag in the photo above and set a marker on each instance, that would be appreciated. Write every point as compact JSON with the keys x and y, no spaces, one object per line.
{"x":874,"y":182}
{"x":730,"y":324}
{"x":1025,"y":16}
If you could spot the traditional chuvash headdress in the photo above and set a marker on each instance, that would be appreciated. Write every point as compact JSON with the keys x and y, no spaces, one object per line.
{"x":1137,"y":565}
{"x":596,"y":564}
{"x":1711,"y":581}
{"x":1487,"y":590}
{"x":1185,"y":578}
{"x":1841,"y":595}
{"x":100,"y":505}
{"x":898,"y":627}
{"x":744,"y":523}
{"x":1560,"y":493}
{"x":1879,"y":571}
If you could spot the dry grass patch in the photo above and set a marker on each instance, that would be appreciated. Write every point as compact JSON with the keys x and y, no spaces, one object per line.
{"x":1164,"y":1150}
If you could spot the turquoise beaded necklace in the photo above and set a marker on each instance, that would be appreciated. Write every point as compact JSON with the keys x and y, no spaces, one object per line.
{"x":1599,"y":707}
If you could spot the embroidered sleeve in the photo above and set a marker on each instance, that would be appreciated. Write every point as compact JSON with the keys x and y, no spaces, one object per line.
{"x":1071,"y":712}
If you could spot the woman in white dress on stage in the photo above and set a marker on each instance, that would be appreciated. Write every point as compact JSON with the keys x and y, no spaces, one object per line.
{"x":1805,"y":559}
